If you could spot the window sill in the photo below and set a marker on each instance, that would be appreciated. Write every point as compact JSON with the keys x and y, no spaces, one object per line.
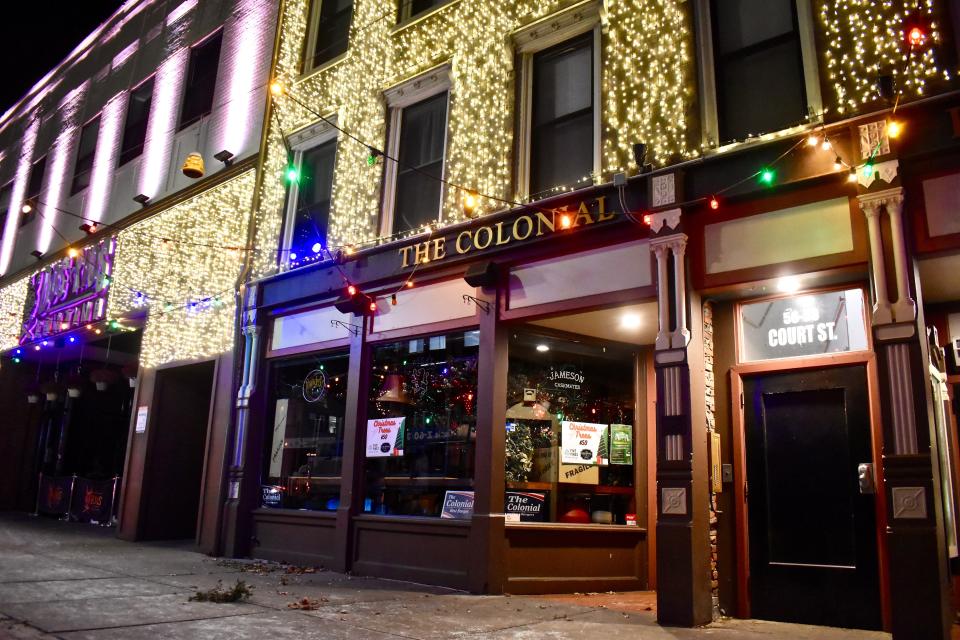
{"x":409,"y":22}
{"x":320,"y":68}
{"x":569,"y":526}
{"x":762,"y":139}
{"x":267,"y":512}
{"x":412,"y":520}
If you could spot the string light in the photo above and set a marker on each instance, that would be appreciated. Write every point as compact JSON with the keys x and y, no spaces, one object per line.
{"x":714,"y":203}
{"x":813,"y":140}
{"x":566,"y":221}
{"x":894,"y":128}
{"x":767,"y":176}
{"x":13,"y":299}
{"x":837,"y":164}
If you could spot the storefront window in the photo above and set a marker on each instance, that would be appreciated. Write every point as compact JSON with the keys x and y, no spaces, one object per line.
{"x":305,"y":444}
{"x":570,"y":432}
{"x":421,"y":429}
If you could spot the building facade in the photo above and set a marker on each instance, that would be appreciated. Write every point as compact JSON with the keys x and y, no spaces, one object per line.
{"x":129,"y":173}
{"x":583,"y":295}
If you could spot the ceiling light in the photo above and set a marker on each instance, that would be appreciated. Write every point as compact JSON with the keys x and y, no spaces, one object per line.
{"x":630,"y":321}
{"x":788,"y":284}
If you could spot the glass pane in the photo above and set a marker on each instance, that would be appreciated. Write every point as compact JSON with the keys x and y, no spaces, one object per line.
{"x":303,"y":448}
{"x":807,"y":325}
{"x":35,"y":183}
{"x":741,"y":23}
{"x":135,"y":125}
{"x":86,"y":149}
{"x":413,"y":8}
{"x":561,"y":154}
{"x":421,"y":430}
{"x":333,"y":30}
{"x":313,"y":198}
{"x":761,"y":92}
{"x":422,"y":132}
{"x":201,"y":80}
{"x":570,"y":432}
{"x":563,"y":81}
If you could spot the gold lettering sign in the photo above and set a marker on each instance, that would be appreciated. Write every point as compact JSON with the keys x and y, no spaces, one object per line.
{"x":502,"y":233}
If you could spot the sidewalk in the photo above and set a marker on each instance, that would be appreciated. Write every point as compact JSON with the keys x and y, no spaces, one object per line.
{"x":60,"y":580}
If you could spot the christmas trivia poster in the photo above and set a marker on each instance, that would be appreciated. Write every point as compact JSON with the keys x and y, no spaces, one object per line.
{"x":584,"y":443}
{"x":385,"y":437}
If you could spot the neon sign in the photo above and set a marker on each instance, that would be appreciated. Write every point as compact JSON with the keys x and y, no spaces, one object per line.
{"x":70,"y":292}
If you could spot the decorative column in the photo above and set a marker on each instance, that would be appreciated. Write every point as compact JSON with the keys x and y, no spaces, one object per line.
{"x":916,"y":555}
{"x":683,"y":539}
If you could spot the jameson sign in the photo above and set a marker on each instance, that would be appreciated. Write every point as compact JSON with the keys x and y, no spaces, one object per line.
{"x":385,"y":437}
{"x":566,"y":379}
{"x":315,"y":386}
{"x":457,"y":505}
{"x":621,"y":444}
{"x":70,"y":292}
{"x":93,"y":500}
{"x":525,"y":506}
{"x":583,"y":443}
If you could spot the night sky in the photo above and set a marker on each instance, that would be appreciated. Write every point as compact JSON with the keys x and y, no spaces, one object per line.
{"x":30,"y":50}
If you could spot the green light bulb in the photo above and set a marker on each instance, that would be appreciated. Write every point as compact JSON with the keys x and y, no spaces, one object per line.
{"x":767,"y":176}
{"x":293,"y":175}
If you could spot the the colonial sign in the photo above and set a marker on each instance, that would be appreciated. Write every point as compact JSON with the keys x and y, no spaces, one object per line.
{"x":315,"y":386}
{"x":385,"y":437}
{"x":526,"y":506}
{"x":457,"y":505}
{"x":806,"y":325}
{"x":71,"y":292}
{"x":583,"y":443}
{"x":520,"y":228}
{"x":272,"y":496}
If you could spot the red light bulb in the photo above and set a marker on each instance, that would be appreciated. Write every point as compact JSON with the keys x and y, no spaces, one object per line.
{"x":351,"y":290}
{"x":916,"y":36}
{"x":714,"y":203}
{"x":373,"y":305}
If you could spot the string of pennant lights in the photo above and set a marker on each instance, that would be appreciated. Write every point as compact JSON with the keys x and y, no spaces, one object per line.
{"x":470,"y":199}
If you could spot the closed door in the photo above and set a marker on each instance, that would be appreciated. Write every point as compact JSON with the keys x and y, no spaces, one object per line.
{"x":813,"y":538}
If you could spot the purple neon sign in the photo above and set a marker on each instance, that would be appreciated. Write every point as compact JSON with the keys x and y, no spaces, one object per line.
{"x":71,"y":292}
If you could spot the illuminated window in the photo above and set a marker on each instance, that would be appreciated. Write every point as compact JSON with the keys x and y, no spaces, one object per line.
{"x":410,"y":9}
{"x":6,"y":192}
{"x":309,"y":198}
{"x":558,"y":98}
{"x":330,"y":34}
{"x":413,"y":192}
{"x":561,"y":132}
{"x":34,"y":185}
{"x":759,"y":72}
{"x":86,"y":149}
{"x":135,"y":125}
{"x":201,"y":80}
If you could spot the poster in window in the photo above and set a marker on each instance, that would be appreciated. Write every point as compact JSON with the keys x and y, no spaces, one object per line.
{"x":526,"y":506}
{"x":385,"y":437}
{"x":457,"y":505}
{"x":621,"y":444}
{"x":584,"y":443}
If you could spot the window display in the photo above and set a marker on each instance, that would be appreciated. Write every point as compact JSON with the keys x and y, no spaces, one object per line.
{"x":570,"y":432}
{"x":305,"y":444}
{"x":420,"y":436}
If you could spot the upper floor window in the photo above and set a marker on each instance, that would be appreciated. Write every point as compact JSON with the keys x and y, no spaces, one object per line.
{"x":410,"y":9}
{"x":85,"y":152}
{"x":201,"y":80}
{"x":329,"y":37}
{"x":35,"y":183}
{"x":759,"y":67}
{"x":135,"y":125}
{"x":562,"y":116}
{"x":309,"y":204}
{"x":420,"y":150}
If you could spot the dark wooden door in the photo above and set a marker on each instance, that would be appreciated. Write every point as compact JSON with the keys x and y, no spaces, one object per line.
{"x":813,"y":538}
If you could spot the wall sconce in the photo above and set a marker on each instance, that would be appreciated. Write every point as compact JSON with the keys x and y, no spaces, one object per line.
{"x":36,"y":253}
{"x":225,"y":157}
{"x":141,"y":199}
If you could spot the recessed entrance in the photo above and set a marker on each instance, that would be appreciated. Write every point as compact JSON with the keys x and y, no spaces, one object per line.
{"x":812,"y":524}
{"x":172,"y":480}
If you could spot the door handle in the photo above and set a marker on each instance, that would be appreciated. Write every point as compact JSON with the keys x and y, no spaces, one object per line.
{"x":865,"y":478}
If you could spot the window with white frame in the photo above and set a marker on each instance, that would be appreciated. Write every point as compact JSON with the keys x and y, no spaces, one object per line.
{"x":759,"y":71}
{"x":329,"y":32}
{"x":308,"y":196}
{"x":413,"y":191}
{"x":559,"y":119}
{"x":201,"y":80}
{"x":410,"y":9}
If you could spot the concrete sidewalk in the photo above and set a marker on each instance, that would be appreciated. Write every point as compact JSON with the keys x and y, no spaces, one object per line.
{"x":64,"y":580}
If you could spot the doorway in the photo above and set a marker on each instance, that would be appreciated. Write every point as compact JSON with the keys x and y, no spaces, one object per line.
{"x":812,"y":526}
{"x":174,"y":473}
